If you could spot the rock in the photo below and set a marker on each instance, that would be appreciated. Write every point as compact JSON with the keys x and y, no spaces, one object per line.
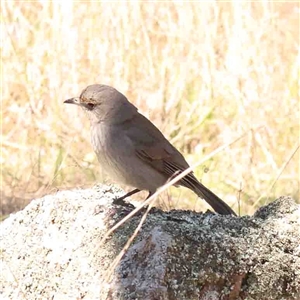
{"x":53,"y":249}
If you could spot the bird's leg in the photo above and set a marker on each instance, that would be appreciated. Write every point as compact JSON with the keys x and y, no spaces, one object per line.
{"x":152,"y":208}
{"x":149,"y":195}
{"x":120,"y":201}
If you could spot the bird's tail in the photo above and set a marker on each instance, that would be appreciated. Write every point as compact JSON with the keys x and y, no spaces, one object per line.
{"x":191,"y":182}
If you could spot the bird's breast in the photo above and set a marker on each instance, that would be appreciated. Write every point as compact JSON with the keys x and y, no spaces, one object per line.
{"x":116,"y":153}
{"x":107,"y":146}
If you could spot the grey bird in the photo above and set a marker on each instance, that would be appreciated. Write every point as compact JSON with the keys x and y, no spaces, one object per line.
{"x":132,"y":150}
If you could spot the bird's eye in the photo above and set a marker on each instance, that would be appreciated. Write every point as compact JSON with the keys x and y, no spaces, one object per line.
{"x":90,"y":106}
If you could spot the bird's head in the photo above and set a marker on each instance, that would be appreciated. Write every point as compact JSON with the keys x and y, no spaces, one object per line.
{"x":104,"y":103}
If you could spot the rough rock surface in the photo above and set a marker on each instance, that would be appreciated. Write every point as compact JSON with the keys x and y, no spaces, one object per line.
{"x":52,"y":250}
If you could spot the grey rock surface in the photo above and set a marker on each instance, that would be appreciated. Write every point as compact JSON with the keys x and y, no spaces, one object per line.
{"x":53,"y":250}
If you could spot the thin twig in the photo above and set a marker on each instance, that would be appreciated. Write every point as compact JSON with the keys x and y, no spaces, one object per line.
{"x":128,"y":243}
{"x":277,"y":177}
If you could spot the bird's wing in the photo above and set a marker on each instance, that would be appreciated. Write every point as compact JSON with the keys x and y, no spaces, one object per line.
{"x":152,"y":147}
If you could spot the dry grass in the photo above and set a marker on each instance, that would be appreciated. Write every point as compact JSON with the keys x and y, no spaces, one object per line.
{"x":204,"y":73}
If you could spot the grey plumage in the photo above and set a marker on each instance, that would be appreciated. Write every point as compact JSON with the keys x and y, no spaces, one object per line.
{"x":131,"y":149}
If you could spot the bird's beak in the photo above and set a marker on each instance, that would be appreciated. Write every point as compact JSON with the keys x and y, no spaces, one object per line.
{"x":73,"y":101}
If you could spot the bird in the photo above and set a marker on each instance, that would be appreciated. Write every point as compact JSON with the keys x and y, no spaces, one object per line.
{"x":132,"y":150}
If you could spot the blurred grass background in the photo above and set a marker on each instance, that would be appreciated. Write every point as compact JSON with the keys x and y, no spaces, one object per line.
{"x":204,"y":72}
